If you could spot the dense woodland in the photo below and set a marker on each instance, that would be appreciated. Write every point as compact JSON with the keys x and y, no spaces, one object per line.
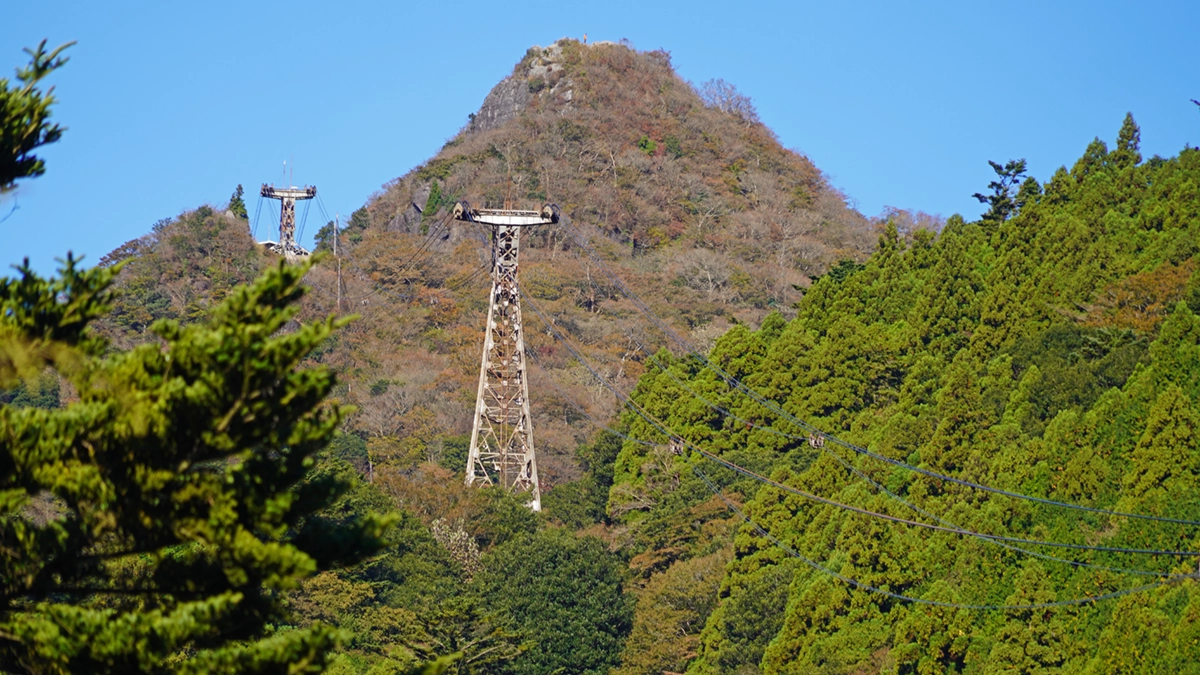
{"x":1052,"y":353}
{"x":1051,"y":349}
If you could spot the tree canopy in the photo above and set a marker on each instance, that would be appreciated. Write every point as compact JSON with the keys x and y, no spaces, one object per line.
{"x":157,"y":519}
{"x":25,"y":116}
{"x":1048,"y":349}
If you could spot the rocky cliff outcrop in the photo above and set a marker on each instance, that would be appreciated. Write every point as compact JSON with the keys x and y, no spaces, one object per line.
{"x":541,"y":69}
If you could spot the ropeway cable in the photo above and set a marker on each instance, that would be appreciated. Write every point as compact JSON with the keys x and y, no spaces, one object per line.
{"x":254,"y":225}
{"x":953,"y":529}
{"x":774,"y":407}
{"x":1003,"y":542}
{"x":771,"y":405}
{"x":328,"y":293}
{"x":817,"y":566}
{"x":924,"y":601}
{"x":303,"y":220}
{"x":423,"y":248}
{"x":947,"y":526}
{"x":471,"y":278}
{"x":582,"y":411}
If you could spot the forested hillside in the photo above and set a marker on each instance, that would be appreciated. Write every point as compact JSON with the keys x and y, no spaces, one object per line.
{"x":689,"y":197}
{"x":1050,"y":349}
{"x":698,"y":208}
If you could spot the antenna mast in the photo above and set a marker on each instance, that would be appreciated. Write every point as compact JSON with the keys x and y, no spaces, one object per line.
{"x":501,"y":450}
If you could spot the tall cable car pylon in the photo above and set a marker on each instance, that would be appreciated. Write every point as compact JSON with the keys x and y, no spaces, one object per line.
{"x":501,"y":450}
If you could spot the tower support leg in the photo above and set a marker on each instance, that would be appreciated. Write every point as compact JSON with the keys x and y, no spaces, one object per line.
{"x":287,"y":224}
{"x":501,"y":451}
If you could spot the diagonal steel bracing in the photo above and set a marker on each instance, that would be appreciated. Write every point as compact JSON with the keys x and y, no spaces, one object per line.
{"x":501,"y":450}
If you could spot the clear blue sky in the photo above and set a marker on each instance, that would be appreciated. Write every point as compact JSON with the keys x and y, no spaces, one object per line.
{"x":171,"y":104}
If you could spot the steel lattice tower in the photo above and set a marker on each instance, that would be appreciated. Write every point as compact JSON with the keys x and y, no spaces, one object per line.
{"x":502,"y":435}
{"x":287,"y":246}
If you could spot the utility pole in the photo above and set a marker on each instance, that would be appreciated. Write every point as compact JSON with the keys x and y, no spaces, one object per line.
{"x":336,"y":217}
{"x":287,"y":246}
{"x":501,"y":450}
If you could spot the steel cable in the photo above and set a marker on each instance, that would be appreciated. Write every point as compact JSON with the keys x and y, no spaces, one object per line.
{"x":771,"y":405}
{"x":817,"y":566}
{"x":954,"y":529}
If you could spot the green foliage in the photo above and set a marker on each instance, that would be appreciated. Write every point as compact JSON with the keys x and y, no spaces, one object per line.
{"x":505,"y":517}
{"x":323,"y":239}
{"x":179,"y":271}
{"x":671,"y":610}
{"x":42,"y":392}
{"x":350,"y":234}
{"x":360,"y":220}
{"x":181,"y":507}
{"x":647,"y":145}
{"x":1127,"y":152}
{"x":455,"y":450}
{"x":237,"y":205}
{"x":37,"y":328}
{"x":436,"y":169}
{"x":1050,"y":348}
{"x":841,"y":271}
{"x":25,"y":114}
{"x":433,"y":205}
{"x":673,"y":146}
{"x":1075,"y":366}
{"x":563,"y":594}
{"x":581,"y":503}
{"x":1006,"y":199}
{"x":461,"y":628}
{"x":1029,"y":640}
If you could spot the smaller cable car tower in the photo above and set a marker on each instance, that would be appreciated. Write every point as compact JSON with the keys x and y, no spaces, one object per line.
{"x":287,"y":246}
{"x":502,"y":434}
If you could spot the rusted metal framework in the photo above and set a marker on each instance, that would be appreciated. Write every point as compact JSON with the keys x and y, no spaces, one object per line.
{"x":287,"y":246}
{"x":502,"y":435}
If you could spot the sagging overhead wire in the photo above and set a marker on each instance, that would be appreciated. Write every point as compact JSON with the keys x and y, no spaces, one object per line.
{"x":434,"y":233}
{"x":570,"y":401}
{"x":1088,"y":600}
{"x":471,"y":278}
{"x":778,"y":410}
{"x":817,"y":566}
{"x":326,"y":292}
{"x":303,"y":220}
{"x":254,"y":225}
{"x":424,"y":248}
{"x":946,"y":525}
{"x":271,"y":213}
{"x":662,"y":428}
{"x":998,"y":540}
{"x":1002,"y":542}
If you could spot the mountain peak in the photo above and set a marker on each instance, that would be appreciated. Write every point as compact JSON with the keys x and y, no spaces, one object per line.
{"x":621,"y":142}
{"x":541,"y":73}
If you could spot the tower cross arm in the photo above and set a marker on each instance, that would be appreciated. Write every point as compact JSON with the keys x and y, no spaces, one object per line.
{"x":272,"y":192}
{"x":463,"y":211}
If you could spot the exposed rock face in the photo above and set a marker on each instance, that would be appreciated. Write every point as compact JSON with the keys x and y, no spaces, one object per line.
{"x":505,"y":101}
{"x":541,"y":69}
{"x":410,"y":218}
